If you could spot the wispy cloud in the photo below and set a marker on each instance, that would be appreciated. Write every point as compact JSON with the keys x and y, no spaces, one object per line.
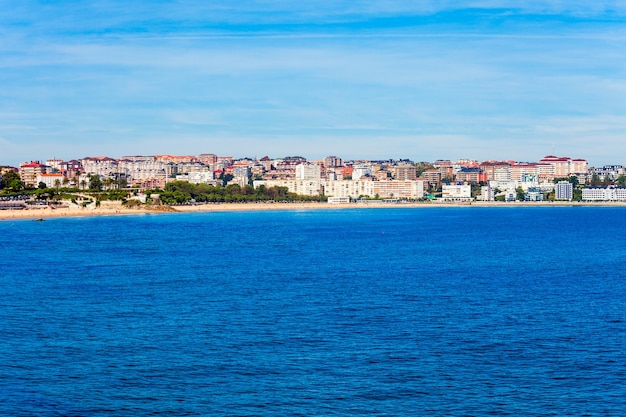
{"x":423,"y":78}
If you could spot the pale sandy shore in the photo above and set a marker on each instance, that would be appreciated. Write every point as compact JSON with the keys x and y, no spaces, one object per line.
{"x":116,"y":208}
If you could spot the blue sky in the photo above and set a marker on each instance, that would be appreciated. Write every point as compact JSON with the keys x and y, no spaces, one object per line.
{"x":424,"y":80}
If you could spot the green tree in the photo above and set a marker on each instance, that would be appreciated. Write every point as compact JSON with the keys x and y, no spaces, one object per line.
{"x":577,"y":194}
{"x":107,"y":183}
{"x":11,"y":180}
{"x":520,"y":194}
{"x":421,"y":167}
{"x":95,"y":184}
{"x":595,"y":180}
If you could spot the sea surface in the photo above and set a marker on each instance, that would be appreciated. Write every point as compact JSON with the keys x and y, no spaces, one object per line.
{"x":464,"y":311}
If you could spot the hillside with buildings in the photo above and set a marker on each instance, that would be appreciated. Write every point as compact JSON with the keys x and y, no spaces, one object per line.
{"x":550,"y":178}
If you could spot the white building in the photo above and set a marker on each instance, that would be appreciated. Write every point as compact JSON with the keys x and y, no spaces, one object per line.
{"x":610,"y":193}
{"x":398,"y":189}
{"x":486,"y":193}
{"x":348,"y":188}
{"x":452,"y":192}
{"x":241,"y":171}
{"x":198,"y":178}
{"x":308,"y":171}
{"x":338,"y":200}
{"x":351,"y":189}
{"x":51,"y":180}
{"x":360,"y":171}
{"x":300,"y":187}
{"x":563,"y":191}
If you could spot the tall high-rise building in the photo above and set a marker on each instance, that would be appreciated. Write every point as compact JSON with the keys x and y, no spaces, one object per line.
{"x":308,"y":171}
{"x":564,"y":191}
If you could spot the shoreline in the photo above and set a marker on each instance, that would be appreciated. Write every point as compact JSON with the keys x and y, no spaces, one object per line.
{"x":116,"y":208}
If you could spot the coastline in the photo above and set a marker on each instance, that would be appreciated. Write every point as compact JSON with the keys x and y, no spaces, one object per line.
{"x":116,"y":208}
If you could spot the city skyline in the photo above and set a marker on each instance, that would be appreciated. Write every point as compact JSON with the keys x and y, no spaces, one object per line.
{"x":492,"y":80}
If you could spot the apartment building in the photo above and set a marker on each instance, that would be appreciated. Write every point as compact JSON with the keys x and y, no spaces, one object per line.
{"x":29,"y":172}
{"x":474,"y":175}
{"x":563,"y":190}
{"x":398,"y":189}
{"x":100,"y":165}
{"x":360,"y":171}
{"x":333,"y":162}
{"x":610,"y":193}
{"x":308,"y":171}
{"x":404,"y":172}
{"x":301,"y":187}
{"x":51,"y":180}
{"x":610,"y":172}
{"x":524,"y":172}
{"x":496,"y":171}
{"x":456,"y":192}
{"x":561,"y":167}
{"x":350,"y":188}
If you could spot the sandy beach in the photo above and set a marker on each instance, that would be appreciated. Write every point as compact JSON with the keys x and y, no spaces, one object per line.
{"x":116,"y":208}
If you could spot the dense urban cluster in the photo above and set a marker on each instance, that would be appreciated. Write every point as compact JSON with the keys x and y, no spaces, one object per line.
{"x":551,"y":178}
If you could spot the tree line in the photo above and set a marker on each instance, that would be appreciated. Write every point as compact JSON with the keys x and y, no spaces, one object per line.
{"x":182,"y":192}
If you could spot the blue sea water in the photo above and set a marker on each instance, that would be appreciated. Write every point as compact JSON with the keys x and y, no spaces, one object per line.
{"x":437,"y":312}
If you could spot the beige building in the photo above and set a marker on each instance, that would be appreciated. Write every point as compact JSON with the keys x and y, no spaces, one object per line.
{"x":521,"y":171}
{"x":404,"y":172}
{"x":29,"y":172}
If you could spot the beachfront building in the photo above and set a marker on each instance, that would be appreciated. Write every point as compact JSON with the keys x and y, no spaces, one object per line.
{"x":338,"y":200}
{"x":563,"y":191}
{"x":411,"y":190}
{"x":348,"y":188}
{"x":300,"y":187}
{"x":486,"y":193}
{"x":610,"y":193}
{"x":456,"y":192}
{"x":533,"y":194}
{"x":504,"y":189}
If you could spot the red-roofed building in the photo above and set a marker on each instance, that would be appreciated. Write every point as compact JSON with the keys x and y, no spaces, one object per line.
{"x":29,"y":172}
{"x":51,"y":180}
